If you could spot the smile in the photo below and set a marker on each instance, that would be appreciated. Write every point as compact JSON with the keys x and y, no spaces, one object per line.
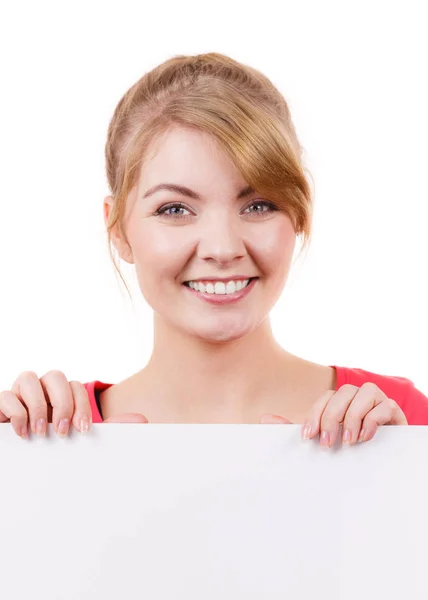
{"x":219,"y":295}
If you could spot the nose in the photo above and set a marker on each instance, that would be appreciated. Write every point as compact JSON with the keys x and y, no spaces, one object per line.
{"x":220,"y":239}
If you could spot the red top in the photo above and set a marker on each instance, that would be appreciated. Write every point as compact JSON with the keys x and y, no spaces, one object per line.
{"x":411,"y":401}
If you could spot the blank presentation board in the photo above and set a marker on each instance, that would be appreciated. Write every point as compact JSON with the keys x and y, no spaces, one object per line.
{"x":210,"y":512}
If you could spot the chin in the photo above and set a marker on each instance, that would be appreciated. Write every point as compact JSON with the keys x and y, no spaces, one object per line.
{"x":221,"y":337}
{"x":220,"y":333}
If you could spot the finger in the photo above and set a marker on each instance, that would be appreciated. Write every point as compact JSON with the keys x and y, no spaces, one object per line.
{"x":344,"y":404}
{"x":57,"y":390}
{"x":28,"y":390}
{"x":82,"y":418}
{"x":311,"y":426}
{"x":368,"y":397}
{"x":127,"y":418}
{"x":274,"y":419}
{"x":12,"y":409}
{"x":386,"y":413}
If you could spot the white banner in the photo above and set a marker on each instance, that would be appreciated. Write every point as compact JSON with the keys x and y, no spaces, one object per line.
{"x":210,"y":512}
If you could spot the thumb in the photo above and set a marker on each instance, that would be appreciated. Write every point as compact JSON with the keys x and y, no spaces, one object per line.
{"x":274,"y":419}
{"x":127,"y":418}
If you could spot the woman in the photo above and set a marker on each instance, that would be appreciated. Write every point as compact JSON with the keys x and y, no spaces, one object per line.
{"x":208,"y":197}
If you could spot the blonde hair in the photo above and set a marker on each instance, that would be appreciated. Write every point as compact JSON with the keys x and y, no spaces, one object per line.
{"x":234,"y":103}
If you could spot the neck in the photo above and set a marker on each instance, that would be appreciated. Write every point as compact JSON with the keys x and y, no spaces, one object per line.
{"x":202,"y":377}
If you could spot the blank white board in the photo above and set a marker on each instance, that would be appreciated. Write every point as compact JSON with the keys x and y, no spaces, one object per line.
{"x":204,"y":512}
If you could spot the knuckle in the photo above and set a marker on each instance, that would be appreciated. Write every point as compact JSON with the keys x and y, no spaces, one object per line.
{"x":28,"y":376}
{"x":7,"y":395}
{"x":10,"y":404}
{"x":330,"y":420}
{"x":392,"y":405}
{"x":39,"y":408}
{"x":19,"y":412}
{"x":77,"y":385}
{"x":370,"y":386}
{"x":370,"y":419}
{"x":371,"y":423}
{"x":396,"y":412}
{"x":348,"y":387}
{"x":54,"y":374}
{"x":329,"y":425}
{"x":353,"y":414}
{"x":57,"y":390}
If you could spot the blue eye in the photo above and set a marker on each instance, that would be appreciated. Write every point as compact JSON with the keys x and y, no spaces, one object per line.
{"x":269,"y":205}
{"x":178,"y":206}
{"x":163,"y":209}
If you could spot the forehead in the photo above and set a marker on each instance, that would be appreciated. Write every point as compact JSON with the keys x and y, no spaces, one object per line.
{"x":191,"y":158}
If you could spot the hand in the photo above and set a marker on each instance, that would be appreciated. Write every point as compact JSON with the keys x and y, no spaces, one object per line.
{"x":50,"y":399}
{"x":360,"y":410}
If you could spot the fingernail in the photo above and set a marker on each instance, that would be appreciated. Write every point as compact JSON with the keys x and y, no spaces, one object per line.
{"x":362,"y":435}
{"x":346,"y":437}
{"x":84,"y":424}
{"x":24,"y":431}
{"x":324,"y":438}
{"x":306,"y":435}
{"x":63,"y":427}
{"x":41,"y":427}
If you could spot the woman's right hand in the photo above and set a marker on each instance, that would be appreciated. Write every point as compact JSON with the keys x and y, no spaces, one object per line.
{"x":52,"y":399}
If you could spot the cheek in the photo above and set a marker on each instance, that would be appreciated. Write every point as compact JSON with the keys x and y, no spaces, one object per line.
{"x":275,"y":246}
{"x":158,"y":251}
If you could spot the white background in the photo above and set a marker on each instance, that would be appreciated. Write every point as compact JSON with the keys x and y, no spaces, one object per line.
{"x":354,"y":75}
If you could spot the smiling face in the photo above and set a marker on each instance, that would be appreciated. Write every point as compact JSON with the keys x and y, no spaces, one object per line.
{"x":219,"y":230}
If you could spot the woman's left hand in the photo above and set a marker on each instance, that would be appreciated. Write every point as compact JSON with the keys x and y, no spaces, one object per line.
{"x":361,"y":410}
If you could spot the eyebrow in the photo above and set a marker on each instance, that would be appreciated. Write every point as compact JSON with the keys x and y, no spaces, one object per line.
{"x":184,"y":191}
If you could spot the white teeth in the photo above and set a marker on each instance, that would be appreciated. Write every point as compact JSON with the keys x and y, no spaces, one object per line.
{"x":231,"y":287}
{"x":219,"y":287}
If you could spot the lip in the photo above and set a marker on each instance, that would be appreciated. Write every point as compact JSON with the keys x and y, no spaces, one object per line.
{"x":230,"y":278}
{"x":223,"y":298}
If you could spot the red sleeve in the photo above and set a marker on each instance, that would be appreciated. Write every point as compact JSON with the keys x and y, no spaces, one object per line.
{"x":412,"y":401}
{"x":91,"y":388}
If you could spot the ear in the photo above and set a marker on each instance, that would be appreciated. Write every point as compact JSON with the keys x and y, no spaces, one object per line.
{"x":119,"y":243}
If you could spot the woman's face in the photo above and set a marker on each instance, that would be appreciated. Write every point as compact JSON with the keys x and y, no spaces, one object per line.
{"x":208,"y":233}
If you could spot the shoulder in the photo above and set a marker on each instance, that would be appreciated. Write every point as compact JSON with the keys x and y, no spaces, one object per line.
{"x":412,"y":401}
